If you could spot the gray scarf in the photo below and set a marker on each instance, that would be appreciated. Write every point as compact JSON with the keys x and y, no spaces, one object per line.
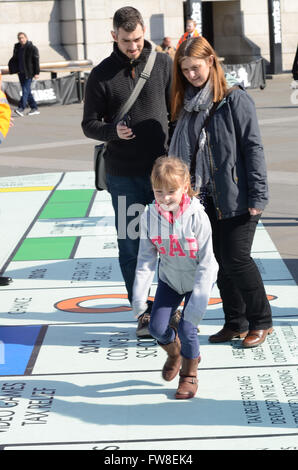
{"x":199,"y":102}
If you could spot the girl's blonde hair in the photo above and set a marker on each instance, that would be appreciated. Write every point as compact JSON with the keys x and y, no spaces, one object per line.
{"x":171,"y":173}
{"x":199,"y":48}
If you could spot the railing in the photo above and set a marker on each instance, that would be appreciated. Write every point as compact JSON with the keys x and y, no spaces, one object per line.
{"x":66,"y":64}
{"x":72,"y":66}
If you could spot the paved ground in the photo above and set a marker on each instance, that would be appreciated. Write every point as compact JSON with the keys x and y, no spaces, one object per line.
{"x":72,"y":373}
{"x":54,"y":141}
{"x":277,"y":108}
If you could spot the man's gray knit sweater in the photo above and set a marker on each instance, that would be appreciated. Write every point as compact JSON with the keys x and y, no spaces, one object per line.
{"x":109,"y":86}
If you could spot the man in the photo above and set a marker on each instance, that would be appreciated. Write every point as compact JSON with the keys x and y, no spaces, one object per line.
{"x":25,"y":62}
{"x":5,"y":123}
{"x":166,"y":47}
{"x":133,"y":145}
{"x":191,"y":31}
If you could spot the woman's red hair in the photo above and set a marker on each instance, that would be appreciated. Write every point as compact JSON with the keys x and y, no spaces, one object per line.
{"x":199,"y":48}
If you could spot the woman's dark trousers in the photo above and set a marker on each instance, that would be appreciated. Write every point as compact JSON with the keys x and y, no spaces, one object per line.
{"x":245,"y":302}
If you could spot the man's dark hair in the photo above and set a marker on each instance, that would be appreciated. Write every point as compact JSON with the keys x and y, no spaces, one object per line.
{"x":128,"y":19}
{"x":21,"y":33}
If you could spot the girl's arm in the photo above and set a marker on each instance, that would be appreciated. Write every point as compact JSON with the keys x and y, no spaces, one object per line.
{"x":145,"y":269}
{"x":206,"y":273}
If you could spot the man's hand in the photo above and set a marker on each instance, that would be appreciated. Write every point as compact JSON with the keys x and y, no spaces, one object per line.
{"x":124,"y":132}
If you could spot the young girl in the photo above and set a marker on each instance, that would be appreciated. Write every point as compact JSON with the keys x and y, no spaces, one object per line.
{"x":176,"y":228}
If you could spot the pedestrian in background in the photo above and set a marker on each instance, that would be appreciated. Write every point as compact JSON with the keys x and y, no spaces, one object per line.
{"x":191,"y":31}
{"x":5,"y":123}
{"x":133,"y":144}
{"x":166,"y":47}
{"x":25,"y":62}
{"x":218,"y":136}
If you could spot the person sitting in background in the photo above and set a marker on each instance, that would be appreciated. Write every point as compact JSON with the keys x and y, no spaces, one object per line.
{"x":166,"y":47}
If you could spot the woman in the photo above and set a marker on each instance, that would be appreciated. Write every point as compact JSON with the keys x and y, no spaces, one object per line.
{"x":218,"y":127}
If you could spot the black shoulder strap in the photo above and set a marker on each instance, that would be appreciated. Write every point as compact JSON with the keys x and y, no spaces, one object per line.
{"x":145,"y":75}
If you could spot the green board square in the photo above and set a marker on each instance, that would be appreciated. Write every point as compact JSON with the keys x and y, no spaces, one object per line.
{"x":64,"y":210}
{"x":65,"y":204}
{"x":72,"y":195}
{"x":33,"y":249}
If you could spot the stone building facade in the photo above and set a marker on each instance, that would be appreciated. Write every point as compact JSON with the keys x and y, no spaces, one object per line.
{"x":79,"y":29}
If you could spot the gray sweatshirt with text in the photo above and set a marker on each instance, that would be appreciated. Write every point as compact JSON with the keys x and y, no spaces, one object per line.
{"x":186,"y":259}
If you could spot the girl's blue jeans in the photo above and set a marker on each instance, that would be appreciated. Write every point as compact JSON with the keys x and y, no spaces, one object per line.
{"x":165,"y":304}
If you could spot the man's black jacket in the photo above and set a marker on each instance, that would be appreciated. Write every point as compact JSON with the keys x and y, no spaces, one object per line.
{"x":30,"y":60}
{"x":109,"y":85}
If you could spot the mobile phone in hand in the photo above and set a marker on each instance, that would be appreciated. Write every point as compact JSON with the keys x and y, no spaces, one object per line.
{"x":126,"y":120}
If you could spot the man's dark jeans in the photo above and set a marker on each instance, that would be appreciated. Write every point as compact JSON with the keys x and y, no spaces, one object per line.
{"x":245,"y":302}
{"x":129,"y":195}
{"x":27,"y":96}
